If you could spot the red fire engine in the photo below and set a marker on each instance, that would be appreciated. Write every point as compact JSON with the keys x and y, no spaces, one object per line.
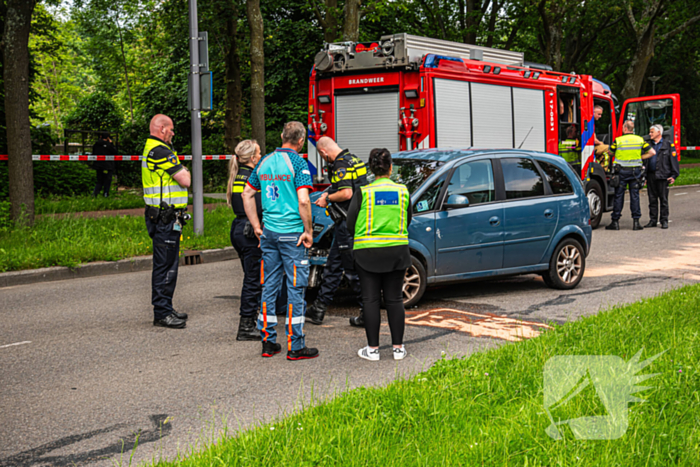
{"x":407,"y":92}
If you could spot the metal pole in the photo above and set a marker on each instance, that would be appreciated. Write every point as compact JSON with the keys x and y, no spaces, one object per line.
{"x":197,"y":189}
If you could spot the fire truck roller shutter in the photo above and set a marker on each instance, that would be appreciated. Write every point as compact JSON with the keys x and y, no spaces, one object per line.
{"x":452,"y":114}
{"x":492,"y":114}
{"x":528,"y":112}
{"x":367,"y":121}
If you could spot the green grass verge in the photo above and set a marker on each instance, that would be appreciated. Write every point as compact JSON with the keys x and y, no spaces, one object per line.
{"x":128,"y":199}
{"x":688,"y":176}
{"x":74,"y":240}
{"x":488,"y":409}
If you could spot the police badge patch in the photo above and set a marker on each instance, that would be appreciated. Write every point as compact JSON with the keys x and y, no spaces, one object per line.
{"x":341,"y":172}
{"x":173,"y":159}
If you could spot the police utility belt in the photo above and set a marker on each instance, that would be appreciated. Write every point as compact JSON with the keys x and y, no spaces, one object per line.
{"x":166,"y":214}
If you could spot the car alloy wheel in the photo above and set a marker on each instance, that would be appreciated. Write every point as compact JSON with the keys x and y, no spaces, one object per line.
{"x":569,"y":264}
{"x":411,"y":283}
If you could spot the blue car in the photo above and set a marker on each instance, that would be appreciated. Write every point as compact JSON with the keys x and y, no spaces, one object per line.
{"x":483,"y":214}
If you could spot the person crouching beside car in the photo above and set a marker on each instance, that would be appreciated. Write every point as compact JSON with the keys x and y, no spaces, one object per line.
{"x":378,"y":219}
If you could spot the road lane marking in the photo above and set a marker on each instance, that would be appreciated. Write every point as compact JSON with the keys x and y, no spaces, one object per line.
{"x":680,"y":194}
{"x":16,"y":343}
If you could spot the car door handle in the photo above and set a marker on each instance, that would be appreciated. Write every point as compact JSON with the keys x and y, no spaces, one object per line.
{"x":494,"y":220}
{"x":548,"y":213}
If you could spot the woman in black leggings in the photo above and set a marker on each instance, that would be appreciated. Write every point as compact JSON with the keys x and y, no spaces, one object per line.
{"x":378,"y":219}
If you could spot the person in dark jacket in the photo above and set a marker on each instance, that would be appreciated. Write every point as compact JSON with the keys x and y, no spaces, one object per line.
{"x":378,"y":219}
{"x":662,"y":170}
{"x":243,"y":238}
{"x":104,"y":169}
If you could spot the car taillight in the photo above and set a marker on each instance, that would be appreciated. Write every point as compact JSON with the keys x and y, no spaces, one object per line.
{"x":589,"y":221}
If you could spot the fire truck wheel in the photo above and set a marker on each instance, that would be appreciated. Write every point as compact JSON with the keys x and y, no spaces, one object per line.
{"x":567,"y":265}
{"x":414,"y":283}
{"x":595,"y":202}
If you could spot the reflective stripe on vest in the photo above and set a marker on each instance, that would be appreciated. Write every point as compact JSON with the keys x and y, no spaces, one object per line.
{"x":382,"y":218}
{"x":157,"y":183}
{"x":628,"y":150}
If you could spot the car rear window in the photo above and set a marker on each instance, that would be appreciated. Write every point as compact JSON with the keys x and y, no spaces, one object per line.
{"x":558,"y":181}
{"x":522,"y":179}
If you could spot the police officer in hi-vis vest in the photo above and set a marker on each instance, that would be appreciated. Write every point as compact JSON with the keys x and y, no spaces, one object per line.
{"x":629,"y":150}
{"x":378,"y":218}
{"x":165,"y":183}
{"x":347,"y":175}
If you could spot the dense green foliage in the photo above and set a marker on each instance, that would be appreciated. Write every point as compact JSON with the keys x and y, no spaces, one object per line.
{"x":487,"y":409}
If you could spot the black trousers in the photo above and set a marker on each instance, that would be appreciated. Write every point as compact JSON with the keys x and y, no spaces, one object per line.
{"x":250,"y":255}
{"x":658,"y":195}
{"x":104,"y":182}
{"x":166,"y":259}
{"x":390,"y":284}
{"x":628,"y":177}
{"x":340,"y":259}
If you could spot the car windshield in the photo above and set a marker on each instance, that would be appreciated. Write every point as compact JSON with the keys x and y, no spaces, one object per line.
{"x":412,"y":172}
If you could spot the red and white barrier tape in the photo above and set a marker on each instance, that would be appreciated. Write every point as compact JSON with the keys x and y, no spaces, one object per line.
{"x":690,"y":148}
{"x":43,"y":157}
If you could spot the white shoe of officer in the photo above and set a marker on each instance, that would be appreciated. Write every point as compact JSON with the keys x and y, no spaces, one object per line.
{"x":369,"y":353}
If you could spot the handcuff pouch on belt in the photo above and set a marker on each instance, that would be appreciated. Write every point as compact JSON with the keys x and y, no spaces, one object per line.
{"x":165,"y":214}
{"x":248,"y":230}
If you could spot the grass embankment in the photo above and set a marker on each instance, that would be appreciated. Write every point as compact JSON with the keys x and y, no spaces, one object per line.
{"x":128,"y":199}
{"x":688,"y":176}
{"x":488,"y":409}
{"x":74,"y":240}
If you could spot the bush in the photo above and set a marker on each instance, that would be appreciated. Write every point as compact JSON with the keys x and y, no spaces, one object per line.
{"x":96,"y":111}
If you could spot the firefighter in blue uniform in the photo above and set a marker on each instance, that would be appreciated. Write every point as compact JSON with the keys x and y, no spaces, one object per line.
{"x":347,"y":174}
{"x":629,"y":151}
{"x":165,"y":183}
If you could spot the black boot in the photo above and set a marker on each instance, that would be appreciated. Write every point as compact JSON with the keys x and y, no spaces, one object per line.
{"x":247,"y":330}
{"x":651,"y":223}
{"x":637,"y":225}
{"x":316,"y":312}
{"x":358,"y":321}
{"x":614,"y":225}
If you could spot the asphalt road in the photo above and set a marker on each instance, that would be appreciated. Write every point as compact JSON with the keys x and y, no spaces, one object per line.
{"x":82,"y":369}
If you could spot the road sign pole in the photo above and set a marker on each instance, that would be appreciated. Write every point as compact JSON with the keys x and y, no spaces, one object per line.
{"x":197,"y":188}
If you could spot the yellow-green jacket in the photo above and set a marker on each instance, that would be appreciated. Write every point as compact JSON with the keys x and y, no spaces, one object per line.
{"x":158,"y":166}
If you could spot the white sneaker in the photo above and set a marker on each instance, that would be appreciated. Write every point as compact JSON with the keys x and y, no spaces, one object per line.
{"x":400,"y":354}
{"x":369,"y":354}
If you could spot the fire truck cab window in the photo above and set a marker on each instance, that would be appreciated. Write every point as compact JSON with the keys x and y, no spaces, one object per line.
{"x":473,"y":180}
{"x":522,"y":179}
{"x":569,"y":124}
{"x":603,"y":125}
{"x":647,"y":113}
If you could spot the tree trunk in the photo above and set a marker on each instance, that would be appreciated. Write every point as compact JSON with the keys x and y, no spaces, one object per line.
{"x":16,"y":75}
{"x":351,"y":25}
{"x":640,"y":61}
{"x":232,"y":122}
{"x":495,"y":8}
{"x":329,"y":21}
{"x":126,"y":70}
{"x":257,"y":72}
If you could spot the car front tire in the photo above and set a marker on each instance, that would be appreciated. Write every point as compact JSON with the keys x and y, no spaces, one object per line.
{"x":414,"y":283}
{"x":567,"y":265}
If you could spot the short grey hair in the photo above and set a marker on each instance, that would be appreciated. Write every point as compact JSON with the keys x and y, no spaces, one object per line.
{"x":658,"y":128}
{"x":628,"y":125}
{"x":293,"y":132}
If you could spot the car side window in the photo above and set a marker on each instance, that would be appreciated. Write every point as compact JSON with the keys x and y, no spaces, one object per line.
{"x":475,"y":181}
{"x":558,"y":181}
{"x":429,"y":197}
{"x":522,"y":179}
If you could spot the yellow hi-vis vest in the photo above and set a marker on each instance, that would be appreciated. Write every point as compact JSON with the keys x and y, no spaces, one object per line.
{"x":569,"y":150}
{"x":382,"y":218}
{"x":159,"y":185}
{"x":628,"y":150}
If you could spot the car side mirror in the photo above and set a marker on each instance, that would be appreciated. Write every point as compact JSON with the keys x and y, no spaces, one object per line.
{"x":456,"y":202}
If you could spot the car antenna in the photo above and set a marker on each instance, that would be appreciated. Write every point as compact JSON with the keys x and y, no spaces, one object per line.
{"x":525,"y":139}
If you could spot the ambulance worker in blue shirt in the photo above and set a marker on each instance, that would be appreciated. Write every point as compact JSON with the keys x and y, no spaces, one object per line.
{"x":284,"y":181}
